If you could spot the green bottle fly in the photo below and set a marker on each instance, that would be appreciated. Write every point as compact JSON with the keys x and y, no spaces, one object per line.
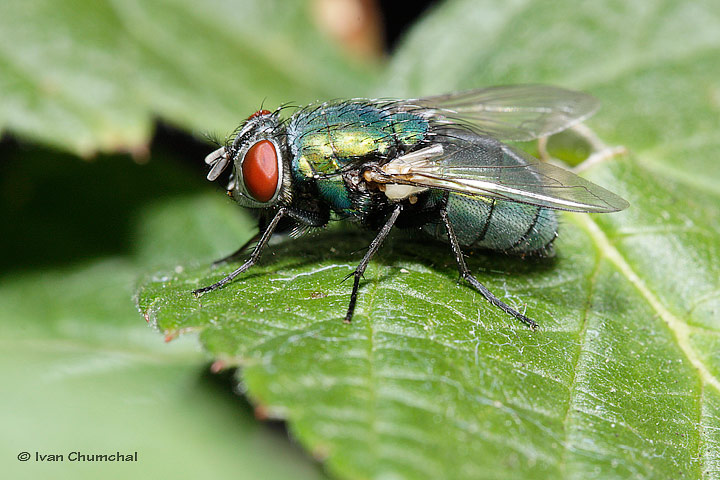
{"x":434,"y":164}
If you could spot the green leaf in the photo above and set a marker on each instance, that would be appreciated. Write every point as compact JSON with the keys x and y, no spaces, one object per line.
{"x":622,"y":379}
{"x":88,"y":76}
{"x":81,"y":372}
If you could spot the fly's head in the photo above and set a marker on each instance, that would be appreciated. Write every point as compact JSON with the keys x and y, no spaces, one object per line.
{"x":260,"y":174}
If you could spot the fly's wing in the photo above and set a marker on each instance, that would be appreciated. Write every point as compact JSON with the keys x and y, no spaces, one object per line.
{"x":483,"y":166}
{"x":513,"y":112}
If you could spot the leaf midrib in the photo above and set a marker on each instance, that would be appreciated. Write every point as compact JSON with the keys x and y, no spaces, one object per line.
{"x":572,"y":388}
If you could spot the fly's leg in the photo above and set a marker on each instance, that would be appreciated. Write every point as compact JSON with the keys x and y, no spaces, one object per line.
{"x":374,"y":246}
{"x":254,"y":256}
{"x":467,"y":276}
{"x":237,"y":253}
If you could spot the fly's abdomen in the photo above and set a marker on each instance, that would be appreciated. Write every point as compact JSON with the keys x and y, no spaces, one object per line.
{"x":498,"y":225}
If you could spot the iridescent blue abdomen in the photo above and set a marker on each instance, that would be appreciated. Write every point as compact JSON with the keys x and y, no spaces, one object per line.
{"x":498,"y":225}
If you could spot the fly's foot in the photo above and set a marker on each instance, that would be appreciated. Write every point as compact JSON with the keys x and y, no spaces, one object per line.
{"x":200,"y":291}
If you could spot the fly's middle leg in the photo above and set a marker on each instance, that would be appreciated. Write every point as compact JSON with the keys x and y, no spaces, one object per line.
{"x":374,"y":246}
{"x":467,"y":276}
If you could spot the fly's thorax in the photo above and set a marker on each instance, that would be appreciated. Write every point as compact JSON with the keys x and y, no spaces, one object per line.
{"x":335,"y":193}
{"x":260,"y":163}
{"x":333,"y":144}
{"x":346,"y":194}
{"x":331,"y":138}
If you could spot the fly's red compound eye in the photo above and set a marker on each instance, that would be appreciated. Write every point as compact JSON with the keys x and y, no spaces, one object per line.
{"x":260,"y":171}
{"x":259,"y":113}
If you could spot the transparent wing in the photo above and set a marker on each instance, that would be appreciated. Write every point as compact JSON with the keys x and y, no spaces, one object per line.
{"x":483,"y":166}
{"x":513,"y":112}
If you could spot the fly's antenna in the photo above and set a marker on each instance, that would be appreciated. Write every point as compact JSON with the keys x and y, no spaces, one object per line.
{"x":212,"y":138}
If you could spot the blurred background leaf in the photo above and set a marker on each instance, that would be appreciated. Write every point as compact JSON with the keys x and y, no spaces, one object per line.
{"x":88,"y":76}
{"x":81,"y":371}
{"x":621,"y":382}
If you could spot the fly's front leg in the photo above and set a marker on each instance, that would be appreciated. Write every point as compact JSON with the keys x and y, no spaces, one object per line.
{"x":374,"y":246}
{"x":254,"y":256}
{"x":466,"y":275}
{"x":237,"y":253}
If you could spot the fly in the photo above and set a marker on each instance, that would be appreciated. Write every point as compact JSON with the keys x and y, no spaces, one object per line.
{"x":435,"y":164}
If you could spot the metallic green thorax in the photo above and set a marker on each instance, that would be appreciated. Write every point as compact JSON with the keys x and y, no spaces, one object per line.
{"x":329,"y":139}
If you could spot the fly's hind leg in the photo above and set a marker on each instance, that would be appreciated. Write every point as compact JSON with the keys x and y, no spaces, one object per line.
{"x":254,"y":256}
{"x":467,"y":276}
{"x":374,"y":246}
